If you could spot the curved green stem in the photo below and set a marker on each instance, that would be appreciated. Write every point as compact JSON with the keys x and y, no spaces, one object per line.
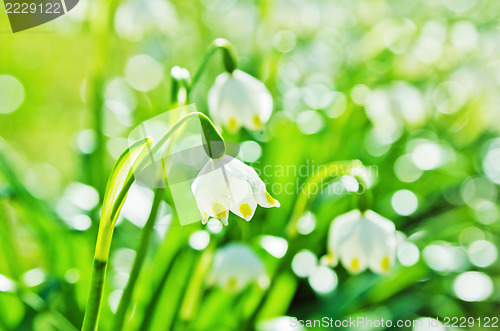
{"x":212,"y":140}
{"x":139,"y":260}
{"x":194,"y":292}
{"x":116,"y":192}
{"x":311,"y":188}
{"x":228,"y":58}
{"x":94,"y":303}
{"x":306,"y":195}
{"x":151,"y":307}
{"x":364,"y":199}
{"x":180,"y":83}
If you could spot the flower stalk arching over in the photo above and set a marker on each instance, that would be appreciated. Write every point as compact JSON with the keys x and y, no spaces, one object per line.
{"x":238,"y":99}
{"x":362,"y":240}
{"x":227,"y":184}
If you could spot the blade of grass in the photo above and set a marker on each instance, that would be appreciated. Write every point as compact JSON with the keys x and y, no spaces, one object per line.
{"x":138,"y":261}
{"x":119,"y":182}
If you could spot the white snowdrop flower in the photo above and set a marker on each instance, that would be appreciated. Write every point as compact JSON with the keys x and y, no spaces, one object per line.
{"x":362,"y":240}
{"x":235,"y":266}
{"x":227,"y":184}
{"x":237,"y":99}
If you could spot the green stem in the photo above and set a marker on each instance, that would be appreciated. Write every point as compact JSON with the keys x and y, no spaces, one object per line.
{"x":364,"y":196}
{"x":229,"y":58}
{"x":150,"y":309}
{"x":184,"y":287}
{"x":210,"y":134}
{"x":213,"y":141}
{"x":312,"y":187}
{"x":180,"y":82}
{"x":139,"y":260}
{"x":196,"y":286}
{"x":94,"y":303}
{"x":106,"y":227}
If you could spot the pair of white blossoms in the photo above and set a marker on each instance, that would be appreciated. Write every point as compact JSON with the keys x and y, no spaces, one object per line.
{"x":227,"y":184}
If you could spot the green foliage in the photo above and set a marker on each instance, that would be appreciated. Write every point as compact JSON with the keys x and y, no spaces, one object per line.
{"x":408,"y":88}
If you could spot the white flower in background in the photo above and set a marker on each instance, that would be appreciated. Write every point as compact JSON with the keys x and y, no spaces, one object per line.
{"x":238,"y":99}
{"x":360,"y":241}
{"x":227,"y":184}
{"x":235,"y":266}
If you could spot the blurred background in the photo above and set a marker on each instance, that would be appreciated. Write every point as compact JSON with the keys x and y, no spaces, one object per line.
{"x":411,"y":88}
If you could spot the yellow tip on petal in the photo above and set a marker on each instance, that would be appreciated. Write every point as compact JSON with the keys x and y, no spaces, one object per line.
{"x":328,"y":260}
{"x":270,"y":199}
{"x":205,"y":216}
{"x":245,"y":210}
{"x":355,"y":264}
{"x":385,"y":264}
{"x":256,"y":121}
{"x":331,"y":257}
{"x":232,"y":284}
{"x":219,"y":210}
{"x":232,"y":124}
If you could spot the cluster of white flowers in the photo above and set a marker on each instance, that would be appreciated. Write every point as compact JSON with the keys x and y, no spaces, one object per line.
{"x":360,"y":240}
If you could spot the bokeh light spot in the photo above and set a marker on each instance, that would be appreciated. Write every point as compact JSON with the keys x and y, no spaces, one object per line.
{"x":427,"y":156}
{"x":214,"y":225}
{"x":33,"y":277}
{"x":473,"y":286}
{"x":404,"y":202}
{"x":323,"y":280}
{"x":405,"y":169}
{"x":199,"y":240}
{"x":11,"y":94}
{"x":285,"y":41}
{"x":482,"y":253}
{"x":408,"y":254}
{"x":309,"y":122}
{"x":250,"y":151}
{"x":304,"y":263}
{"x":306,"y":223}
{"x":275,"y":246}
{"x":143,"y":72}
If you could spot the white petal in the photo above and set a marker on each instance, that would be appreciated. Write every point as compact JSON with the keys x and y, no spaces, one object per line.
{"x":329,"y":260}
{"x":210,"y":190}
{"x":353,"y":254}
{"x":226,"y":103}
{"x":340,"y":229}
{"x":382,"y":222}
{"x":382,"y":255}
{"x":243,"y":203}
{"x":260,"y":101}
{"x":242,"y":171}
{"x":236,"y":265}
{"x":214,"y":96}
{"x":264,"y":199}
{"x":239,"y":99}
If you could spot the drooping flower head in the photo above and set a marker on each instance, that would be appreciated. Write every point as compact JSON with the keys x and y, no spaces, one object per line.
{"x":238,"y":99}
{"x":235,"y":266}
{"x":227,"y":184}
{"x":362,"y":240}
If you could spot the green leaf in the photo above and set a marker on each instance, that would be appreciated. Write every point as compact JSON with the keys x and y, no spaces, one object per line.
{"x":120,"y":180}
{"x":213,"y":143}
